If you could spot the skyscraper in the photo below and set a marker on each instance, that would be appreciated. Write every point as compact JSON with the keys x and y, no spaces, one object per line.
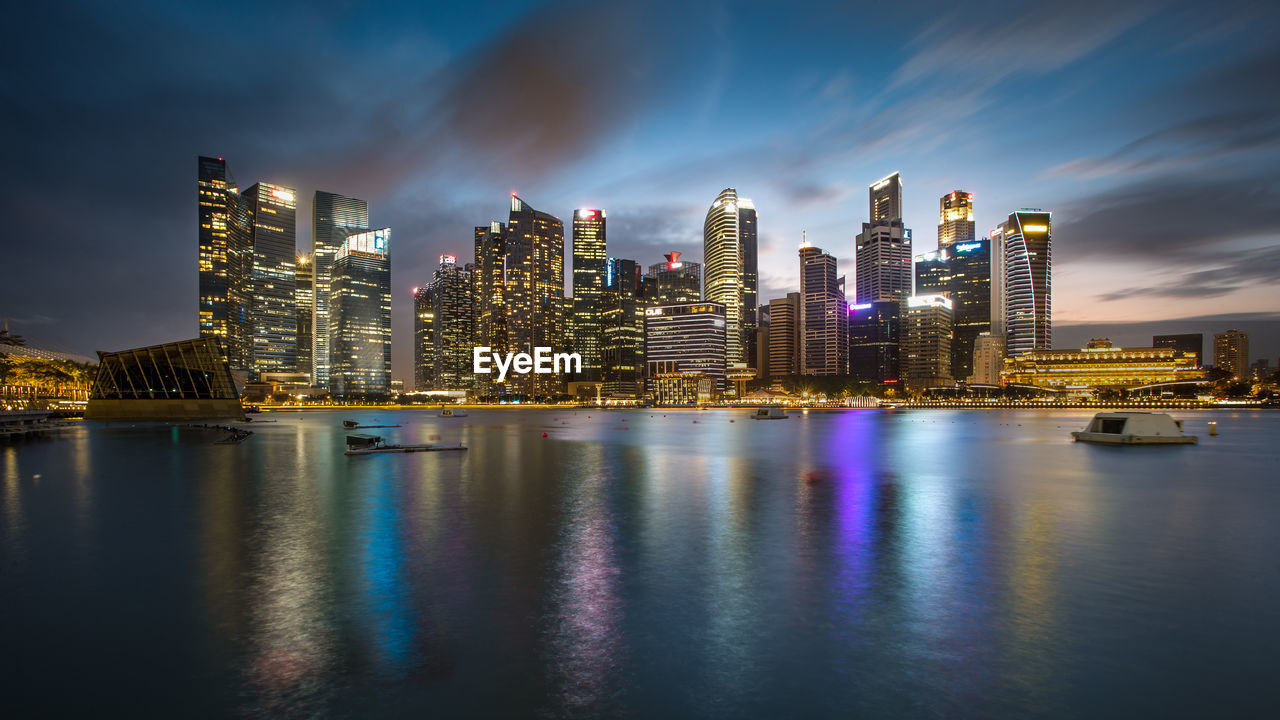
{"x":886,"y":199}
{"x":225,"y":261}
{"x":623,"y":328}
{"x":955,"y":220}
{"x":784,"y":335}
{"x":961,"y":272}
{"x":926,"y":342}
{"x":988,"y":359}
{"x":589,"y":261}
{"x":273,"y":313}
{"x":333,"y":217}
{"x":882,"y":256}
{"x":875,"y":330}
{"x":424,"y":339}
{"x":684,"y":344}
{"x":675,"y":281}
{"x":729,"y":251}
{"x":823,"y":314}
{"x":1231,"y":353}
{"x":535,"y":293}
{"x":452,"y":334}
{"x":488,"y":278}
{"x":304,"y":299}
{"x":1022,"y":251}
{"x":360,"y":320}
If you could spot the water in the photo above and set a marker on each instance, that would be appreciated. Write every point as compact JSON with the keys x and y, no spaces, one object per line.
{"x":644,"y":564}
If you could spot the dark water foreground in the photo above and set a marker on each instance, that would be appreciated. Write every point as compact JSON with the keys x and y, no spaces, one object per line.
{"x":855,"y":564}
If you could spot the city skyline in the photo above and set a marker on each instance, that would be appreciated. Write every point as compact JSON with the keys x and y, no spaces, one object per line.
{"x":1121,"y":254}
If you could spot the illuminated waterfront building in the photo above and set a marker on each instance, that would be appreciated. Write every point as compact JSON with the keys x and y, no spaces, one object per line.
{"x":955,"y":220}
{"x":1231,"y":353}
{"x":187,"y":380}
{"x":589,"y":261}
{"x":926,"y":342}
{"x":784,"y":335}
{"x":1190,"y":343}
{"x":988,"y":359}
{"x":882,"y":253}
{"x":731,"y":277}
{"x":1098,"y":366}
{"x":1022,"y":263}
{"x":762,"y":343}
{"x":875,"y":330}
{"x":488,"y":278}
{"x":535,"y":292}
{"x":824,"y":316}
{"x":886,"y":199}
{"x":424,"y":341}
{"x":623,"y":330}
{"x":675,"y":281}
{"x":452,"y":333}
{"x":684,"y":340}
{"x":961,"y":272}
{"x":304,"y":301}
{"x":273,"y":314}
{"x":360,"y":316}
{"x":333,"y":217}
{"x":225,"y":261}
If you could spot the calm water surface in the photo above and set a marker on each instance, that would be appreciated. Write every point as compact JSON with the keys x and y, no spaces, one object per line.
{"x":644,"y":564}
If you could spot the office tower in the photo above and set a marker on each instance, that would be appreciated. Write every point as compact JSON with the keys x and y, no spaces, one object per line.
{"x":882,"y":257}
{"x":961,"y":272}
{"x":623,"y":330}
{"x":1231,"y":353}
{"x":988,"y":359}
{"x":304,"y":300}
{"x":731,"y":278}
{"x":933,"y":273}
{"x":955,"y":220}
{"x":535,"y":293}
{"x":273,"y":313}
{"x":684,"y":351}
{"x":225,"y":261}
{"x":675,"y":281}
{"x":926,"y":342}
{"x":762,"y":343}
{"x":360,"y":316}
{"x":784,"y":335}
{"x":875,"y":329}
{"x":1190,"y":343}
{"x":589,"y":261}
{"x":424,"y":341}
{"x":488,"y":278}
{"x":333,"y":217}
{"x":452,"y":333}
{"x":823,"y":314}
{"x":1022,"y":253}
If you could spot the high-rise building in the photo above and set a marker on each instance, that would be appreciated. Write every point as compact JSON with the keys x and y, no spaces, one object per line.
{"x":333,"y":217}
{"x":1231,"y":353}
{"x":762,"y":344}
{"x":488,"y":278}
{"x":926,"y":342}
{"x":731,"y":279}
{"x":304,"y":299}
{"x":452,"y":334}
{"x":875,"y":330}
{"x":961,"y":272}
{"x":273,"y":313}
{"x":784,"y":335}
{"x":882,"y":257}
{"x":988,"y":359}
{"x":675,"y":281}
{"x":225,"y":261}
{"x":824,"y":316}
{"x":955,"y":220}
{"x":1022,"y":253}
{"x":360,"y":316}
{"x":589,"y":269}
{"x":534,"y":282}
{"x":424,"y":340}
{"x":684,"y":344}
{"x":623,"y":330}
{"x":1188,"y":343}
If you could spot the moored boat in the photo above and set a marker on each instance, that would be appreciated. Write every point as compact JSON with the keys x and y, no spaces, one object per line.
{"x":1134,"y":428}
{"x":451,"y":413}
{"x":770,"y":413}
{"x":371,"y":444}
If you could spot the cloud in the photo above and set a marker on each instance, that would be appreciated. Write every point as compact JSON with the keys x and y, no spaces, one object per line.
{"x":1242,"y":269}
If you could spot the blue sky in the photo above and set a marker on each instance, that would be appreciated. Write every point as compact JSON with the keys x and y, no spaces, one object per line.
{"x":1151,"y":130}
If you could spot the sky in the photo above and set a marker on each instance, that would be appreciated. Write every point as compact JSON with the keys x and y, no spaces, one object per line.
{"x":1151,"y":130}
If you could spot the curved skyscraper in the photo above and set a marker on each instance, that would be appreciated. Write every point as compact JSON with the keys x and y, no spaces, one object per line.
{"x":729,"y":275}
{"x":1025,"y":297}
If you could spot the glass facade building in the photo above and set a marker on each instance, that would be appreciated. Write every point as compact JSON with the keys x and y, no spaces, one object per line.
{"x":452,"y":332}
{"x":1022,"y":253}
{"x":225,"y":261}
{"x":729,"y":249}
{"x":589,"y":271}
{"x":360,"y":320}
{"x":333,"y":217}
{"x":304,"y":299}
{"x":424,"y":340}
{"x":535,"y":304}
{"x":685,"y":341}
{"x":875,"y":330}
{"x":623,"y":330}
{"x":675,"y":281}
{"x":273,"y":312}
{"x":926,"y":342}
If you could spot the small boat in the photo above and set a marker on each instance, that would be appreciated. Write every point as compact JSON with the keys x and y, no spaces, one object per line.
{"x":1134,"y":428}
{"x":353,"y":425}
{"x":450,"y":412}
{"x":772,"y":413}
{"x":370,"y":444}
{"x":350,"y":423}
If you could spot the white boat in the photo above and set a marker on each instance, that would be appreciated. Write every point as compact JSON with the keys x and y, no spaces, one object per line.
{"x":1134,"y":428}
{"x":450,"y":412}
{"x":371,"y":444}
{"x":771,"y":413}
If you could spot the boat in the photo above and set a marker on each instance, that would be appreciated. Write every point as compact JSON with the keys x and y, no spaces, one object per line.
{"x":350,"y":423}
{"x":771,"y":413}
{"x":1134,"y":428}
{"x":370,"y":444}
{"x":450,"y":412}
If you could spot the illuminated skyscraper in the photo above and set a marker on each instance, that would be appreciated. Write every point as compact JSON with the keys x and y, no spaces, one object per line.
{"x":684,"y":344}
{"x":304,"y":298}
{"x":623,"y":330}
{"x":823,"y":314}
{"x":1231,"y":353}
{"x":333,"y":217}
{"x":675,"y":281}
{"x":360,"y":320}
{"x":729,"y":251}
{"x":225,"y":261}
{"x":886,"y":200}
{"x":452,"y":335}
{"x":961,"y":272}
{"x":955,"y":220}
{"x":875,"y":329}
{"x":1022,"y":264}
{"x":784,"y":335}
{"x":926,"y":342}
{"x":882,"y":256}
{"x":273,"y":313}
{"x":589,"y":261}
{"x":488,"y":279}
{"x":424,"y":339}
